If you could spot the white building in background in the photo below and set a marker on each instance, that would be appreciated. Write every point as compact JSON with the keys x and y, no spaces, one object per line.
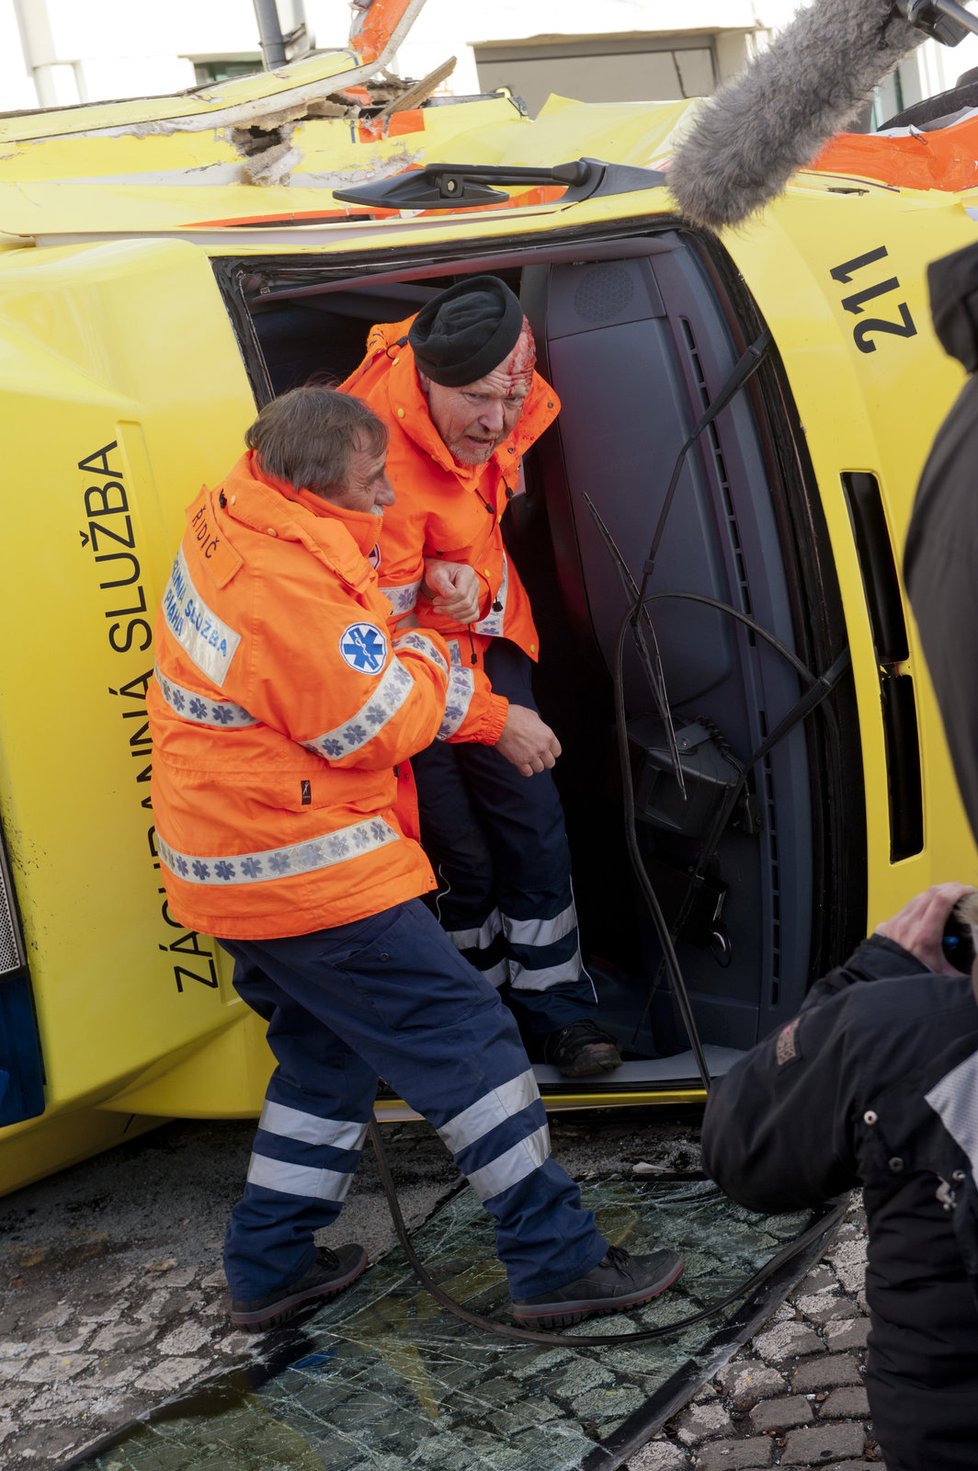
{"x":57,"y":53}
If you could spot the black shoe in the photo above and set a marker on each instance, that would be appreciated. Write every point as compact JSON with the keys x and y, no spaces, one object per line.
{"x":329,"y":1274}
{"x":581,"y":1050}
{"x":617,"y":1283}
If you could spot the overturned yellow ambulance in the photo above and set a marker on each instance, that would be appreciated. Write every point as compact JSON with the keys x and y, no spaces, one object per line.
{"x":744,"y":420}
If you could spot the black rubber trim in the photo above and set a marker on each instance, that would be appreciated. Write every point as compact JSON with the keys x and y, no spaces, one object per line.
{"x":884,"y":601}
{"x":904,"y":783}
{"x":888,"y":624}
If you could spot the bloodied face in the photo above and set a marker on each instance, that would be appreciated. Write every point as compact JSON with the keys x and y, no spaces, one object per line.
{"x":474,"y":419}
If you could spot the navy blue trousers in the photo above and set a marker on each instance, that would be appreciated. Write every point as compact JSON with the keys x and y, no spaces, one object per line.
{"x":498,"y":845}
{"x":390,"y":997}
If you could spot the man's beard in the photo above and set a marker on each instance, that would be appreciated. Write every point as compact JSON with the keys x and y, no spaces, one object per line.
{"x":465,"y":456}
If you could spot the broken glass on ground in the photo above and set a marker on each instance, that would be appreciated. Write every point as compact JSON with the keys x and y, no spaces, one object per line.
{"x":385,"y":1378}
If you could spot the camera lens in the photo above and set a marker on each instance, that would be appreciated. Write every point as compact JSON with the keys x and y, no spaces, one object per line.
{"x":957,"y":944}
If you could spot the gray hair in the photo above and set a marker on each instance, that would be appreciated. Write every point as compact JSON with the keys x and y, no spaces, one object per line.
{"x":967,"y":909}
{"x":309,"y":435}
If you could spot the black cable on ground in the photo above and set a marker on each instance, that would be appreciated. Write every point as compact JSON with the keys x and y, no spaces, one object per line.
{"x":528,"y":1335}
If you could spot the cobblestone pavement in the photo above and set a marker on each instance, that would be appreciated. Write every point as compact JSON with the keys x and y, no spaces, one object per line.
{"x":112,"y":1300}
{"x":794,"y":1395}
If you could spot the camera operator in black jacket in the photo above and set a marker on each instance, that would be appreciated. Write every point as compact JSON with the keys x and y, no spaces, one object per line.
{"x":875,"y":1083}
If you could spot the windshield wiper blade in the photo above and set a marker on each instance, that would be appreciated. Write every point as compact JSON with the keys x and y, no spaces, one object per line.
{"x":465,"y":186}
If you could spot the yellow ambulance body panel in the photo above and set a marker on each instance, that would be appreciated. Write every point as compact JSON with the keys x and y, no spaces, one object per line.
{"x":875,"y":412}
{"x":144,"y":248}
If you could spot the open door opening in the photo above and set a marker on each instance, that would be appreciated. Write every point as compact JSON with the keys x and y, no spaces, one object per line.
{"x":21,"y":1061}
{"x":760,"y":867}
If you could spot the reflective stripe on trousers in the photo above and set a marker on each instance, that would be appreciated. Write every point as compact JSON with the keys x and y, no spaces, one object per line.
{"x":499,"y":848}
{"x":391,"y":997}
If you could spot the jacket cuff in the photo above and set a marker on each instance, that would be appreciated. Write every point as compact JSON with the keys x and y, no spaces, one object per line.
{"x":496,"y":717}
{"x":875,"y":959}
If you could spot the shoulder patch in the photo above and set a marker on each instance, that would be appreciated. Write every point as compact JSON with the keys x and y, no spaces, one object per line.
{"x":208,"y":543}
{"x":364,"y":647}
{"x":786,"y":1048}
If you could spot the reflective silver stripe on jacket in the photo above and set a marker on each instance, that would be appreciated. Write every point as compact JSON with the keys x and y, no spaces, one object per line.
{"x":955,"y":1101}
{"x":508,"y":1169}
{"x":288,"y":1179}
{"x":204,"y":638}
{"x":279,"y":863}
{"x":492,"y":623}
{"x":458,"y":696}
{"x":201,"y":709}
{"x":478,"y":939}
{"x":292,"y":1123}
{"x":402,"y":599}
{"x":491,"y":1109}
{"x":541,"y":931}
{"x":421,"y":644}
{"x":388,"y":697}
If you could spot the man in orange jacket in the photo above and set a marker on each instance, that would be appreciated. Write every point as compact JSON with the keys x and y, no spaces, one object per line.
{"x":457,"y":388}
{"x":283,"y":708}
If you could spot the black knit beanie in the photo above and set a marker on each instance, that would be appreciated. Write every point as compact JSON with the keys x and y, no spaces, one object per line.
{"x":466,"y":331}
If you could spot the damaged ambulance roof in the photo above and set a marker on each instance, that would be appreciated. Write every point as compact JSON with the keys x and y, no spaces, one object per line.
{"x":270,"y":159}
{"x":378,"y":29}
{"x":138,"y":180}
{"x":269,"y":149}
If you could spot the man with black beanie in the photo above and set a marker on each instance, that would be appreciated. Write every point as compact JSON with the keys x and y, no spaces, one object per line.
{"x":457,"y":388}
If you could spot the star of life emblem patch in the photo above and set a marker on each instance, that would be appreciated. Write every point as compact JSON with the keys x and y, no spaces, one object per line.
{"x":786,"y":1047}
{"x":364,"y":647}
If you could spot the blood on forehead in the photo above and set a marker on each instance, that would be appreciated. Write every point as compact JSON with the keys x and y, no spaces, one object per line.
{"x":515,"y":372}
{"x":522,"y":360}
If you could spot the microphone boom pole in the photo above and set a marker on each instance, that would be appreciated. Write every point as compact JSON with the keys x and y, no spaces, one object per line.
{"x":926,"y":16}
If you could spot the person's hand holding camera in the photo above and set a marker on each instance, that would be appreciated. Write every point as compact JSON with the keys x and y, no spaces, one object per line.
{"x":921,"y":924}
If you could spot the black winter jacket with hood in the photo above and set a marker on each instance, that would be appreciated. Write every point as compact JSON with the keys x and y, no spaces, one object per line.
{"x":875,"y":1083}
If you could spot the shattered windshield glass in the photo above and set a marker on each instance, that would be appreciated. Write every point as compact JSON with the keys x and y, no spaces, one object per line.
{"x":386,"y":1378}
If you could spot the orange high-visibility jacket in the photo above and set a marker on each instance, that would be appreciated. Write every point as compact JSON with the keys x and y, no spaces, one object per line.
{"x":452,"y":511}
{"x":282,"y":702}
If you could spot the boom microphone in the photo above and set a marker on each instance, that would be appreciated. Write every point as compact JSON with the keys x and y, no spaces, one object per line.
{"x":773,"y":119}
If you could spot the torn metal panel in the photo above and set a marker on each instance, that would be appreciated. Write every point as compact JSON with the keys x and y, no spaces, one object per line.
{"x":268,"y":156}
{"x":267,"y":151}
{"x":377,"y":34}
{"x":371,"y":104}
